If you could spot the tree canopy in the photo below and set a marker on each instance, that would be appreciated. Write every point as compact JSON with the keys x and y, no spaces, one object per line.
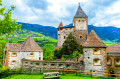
{"x":7,"y":24}
{"x":69,"y":46}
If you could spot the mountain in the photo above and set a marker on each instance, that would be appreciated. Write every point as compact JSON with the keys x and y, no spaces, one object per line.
{"x":45,"y":30}
{"x":105,"y":33}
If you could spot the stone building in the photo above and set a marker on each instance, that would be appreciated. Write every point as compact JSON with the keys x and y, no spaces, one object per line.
{"x":94,"y":50}
{"x":14,"y":52}
{"x":113,"y":58}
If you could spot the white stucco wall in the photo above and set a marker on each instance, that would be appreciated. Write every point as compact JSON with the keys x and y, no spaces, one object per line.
{"x":21,"y":55}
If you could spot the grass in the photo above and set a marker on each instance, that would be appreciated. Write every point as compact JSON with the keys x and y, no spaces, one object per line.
{"x":68,"y":76}
{"x":109,"y":43}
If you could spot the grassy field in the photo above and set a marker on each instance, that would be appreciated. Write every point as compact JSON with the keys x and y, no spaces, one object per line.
{"x":70,"y":76}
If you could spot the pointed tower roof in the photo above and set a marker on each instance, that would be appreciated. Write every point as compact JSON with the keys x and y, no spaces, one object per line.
{"x":80,"y":13}
{"x":60,"y":25}
{"x":30,"y":45}
{"x":93,"y":40}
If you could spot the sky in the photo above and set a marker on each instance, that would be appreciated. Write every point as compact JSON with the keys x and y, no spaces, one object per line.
{"x":52,"y":12}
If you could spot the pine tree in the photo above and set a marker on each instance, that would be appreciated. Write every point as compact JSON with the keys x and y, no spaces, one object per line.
{"x":70,"y":45}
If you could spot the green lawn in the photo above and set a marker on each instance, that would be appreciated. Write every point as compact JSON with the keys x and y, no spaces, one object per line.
{"x":70,"y":76}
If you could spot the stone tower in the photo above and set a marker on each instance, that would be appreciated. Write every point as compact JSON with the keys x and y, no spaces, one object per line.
{"x":80,"y":20}
{"x":80,"y":23}
{"x":59,"y":30}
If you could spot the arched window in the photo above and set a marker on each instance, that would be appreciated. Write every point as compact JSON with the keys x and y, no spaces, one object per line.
{"x":14,"y":54}
{"x":13,"y":62}
{"x":97,"y":62}
{"x":31,"y":54}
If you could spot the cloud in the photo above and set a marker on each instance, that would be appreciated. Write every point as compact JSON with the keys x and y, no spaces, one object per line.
{"x":108,"y":16}
{"x":51,"y":12}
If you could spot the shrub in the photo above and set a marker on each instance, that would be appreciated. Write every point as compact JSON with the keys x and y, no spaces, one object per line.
{"x":4,"y":71}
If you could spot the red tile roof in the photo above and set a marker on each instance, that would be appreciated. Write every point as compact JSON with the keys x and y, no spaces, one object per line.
{"x":93,"y":40}
{"x":28,"y":45}
{"x":113,"y":49}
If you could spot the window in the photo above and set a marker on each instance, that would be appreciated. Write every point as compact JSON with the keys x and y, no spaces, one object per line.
{"x":31,"y":54}
{"x":14,"y":54}
{"x":37,"y":64}
{"x":26,"y":62}
{"x":97,"y":62}
{"x":13,"y":62}
{"x":39,"y":58}
{"x":117,"y":62}
{"x":39,"y":53}
{"x":52,"y":65}
{"x":61,"y":65}
{"x":68,"y":65}
{"x":45,"y":65}
{"x":109,"y":61}
{"x":96,"y":51}
{"x":80,"y":37}
{"x":78,"y":20}
{"x":61,"y":28}
{"x":64,"y":37}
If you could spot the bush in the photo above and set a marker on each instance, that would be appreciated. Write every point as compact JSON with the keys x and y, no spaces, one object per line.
{"x":4,"y":71}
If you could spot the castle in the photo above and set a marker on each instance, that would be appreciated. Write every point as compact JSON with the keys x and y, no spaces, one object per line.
{"x":95,"y":56}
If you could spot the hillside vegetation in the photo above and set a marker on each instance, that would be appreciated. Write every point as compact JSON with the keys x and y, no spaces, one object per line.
{"x":46,"y":43}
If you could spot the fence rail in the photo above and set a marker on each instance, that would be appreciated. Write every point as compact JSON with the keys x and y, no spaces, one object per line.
{"x":107,"y":74}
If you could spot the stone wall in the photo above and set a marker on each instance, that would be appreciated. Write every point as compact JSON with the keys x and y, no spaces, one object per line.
{"x":66,"y":65}
{"x":90,"y":60}
{"x":80,"y":23}
{"x":62,"y":34}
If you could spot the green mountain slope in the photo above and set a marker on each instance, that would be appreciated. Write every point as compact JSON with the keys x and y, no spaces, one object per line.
{"x":46,"y":43}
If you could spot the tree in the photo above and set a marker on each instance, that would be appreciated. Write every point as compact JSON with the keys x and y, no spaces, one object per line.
{"x":48,"y":54}
{"x":7,"y":24}
{"x":76,"y":54}
{"x":69,"y":46}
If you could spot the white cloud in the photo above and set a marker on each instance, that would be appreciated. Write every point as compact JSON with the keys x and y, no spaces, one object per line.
{"x":108,"y":16}
{"x":58,"y":8}
{"x":100,"y":12}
